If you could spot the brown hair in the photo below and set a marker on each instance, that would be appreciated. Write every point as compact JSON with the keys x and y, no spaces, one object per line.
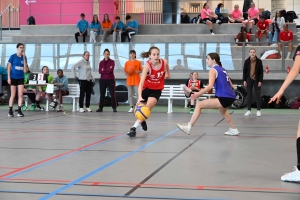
{"x":107,"y":18}
{"x":216,"y":57}
{"x":147,"y":54}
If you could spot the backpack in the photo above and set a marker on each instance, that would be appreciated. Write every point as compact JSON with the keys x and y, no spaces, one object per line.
{"x":290,"y":16}
{"x":31,"y":20}
{"x":266,"y":14}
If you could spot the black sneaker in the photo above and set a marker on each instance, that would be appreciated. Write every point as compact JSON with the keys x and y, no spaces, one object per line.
{"x":40,"y":107}
{"x":114,"y":110}
{"x":10,"y":113}
{"x":144,"y":125}
{"x":20,"y":114}
{"x":99,"y":110}
{"x":132,"y":132}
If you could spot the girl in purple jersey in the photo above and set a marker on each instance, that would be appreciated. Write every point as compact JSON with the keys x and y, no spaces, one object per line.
{"x":225,"y":95}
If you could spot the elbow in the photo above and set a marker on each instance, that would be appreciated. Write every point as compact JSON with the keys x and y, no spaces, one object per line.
{"x":209,"y":87}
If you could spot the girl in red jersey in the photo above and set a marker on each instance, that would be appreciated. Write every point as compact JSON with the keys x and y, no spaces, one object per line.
{"x":151,"y":84}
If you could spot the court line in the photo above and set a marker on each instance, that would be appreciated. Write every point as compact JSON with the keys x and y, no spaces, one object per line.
{"x":161,"y":167}
{"x":4,"y":167}
{"x":105,"y":166}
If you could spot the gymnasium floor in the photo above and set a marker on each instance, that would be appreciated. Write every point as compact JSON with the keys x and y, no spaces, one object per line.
{"x":79,"y":156}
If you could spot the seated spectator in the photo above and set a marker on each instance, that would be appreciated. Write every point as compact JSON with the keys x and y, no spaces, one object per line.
{"x":236,"y":16}
{"x":118,"y":27}
{"x":243,"y":36}
{"x":131,"y":29}
{"x":207,"y":17}
{"x":179,"y":65}
{"x":214,"y":18}
{"x":82,"y":26}
{"x":41,"y":93}
{"x":61,"y":82}
{"x":194,"y":85}
{"x":253,"y":17}
{"x":184,"y":18}
{"x":262,"y":28}
{"x":277,"y":26}
{"x":105,"y":27}
{"x":3,"y":73}
{"x":287,"y":37}
{"x":95,"y":29}
{"x":221,"y":17}
{"x":29,"y":90}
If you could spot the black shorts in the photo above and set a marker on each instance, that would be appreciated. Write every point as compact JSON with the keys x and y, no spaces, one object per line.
{"x":226,"y":101}
{"x":255,"y":21}
{"x":204,"y":20}
{"x":16,"y":82}
{"x":146,"y":93}
{"x":191,"y":93}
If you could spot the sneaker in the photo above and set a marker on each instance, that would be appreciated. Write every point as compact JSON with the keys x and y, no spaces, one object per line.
{"x":81,"y":110}
{"x":274,"y":45}
{"x":88,"y":110}
{"x":10,"y":113}
{"x":248,"y":113}
{"x":130,"y":110}
{"x":24,"y":107}
{"x":292,"y":176}
{"x":114,"y":110}
{"x":99,"y":110}
{"x":185,"y":127}
{"x":212,"y":33}
{"x":61,"y":108}
{"x":40,"y":107}
{"x":192,"y":111}
{"x":20,"y":114}
{"x":52,"y":104}
{"x":232,"y":132}
{"x":258,"y":113}
{"x":144,"y":125}
{"x":132,"y":132}
{"x":32,"y":108}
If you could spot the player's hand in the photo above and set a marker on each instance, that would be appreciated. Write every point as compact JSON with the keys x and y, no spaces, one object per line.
{"x":245,"y":83}
{"x":9,"y":81}
{"x":139,"y":101}
{"x":259,"y":84}
{"x":195,"y":95}
{"x":276,"y":97}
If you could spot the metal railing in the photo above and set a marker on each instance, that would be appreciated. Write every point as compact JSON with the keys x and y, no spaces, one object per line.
{"x":7,"y":8}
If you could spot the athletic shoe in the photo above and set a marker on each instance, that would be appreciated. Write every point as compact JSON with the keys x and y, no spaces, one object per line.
{"x":192,"y":111}
{"x":274,"y":45}
{"x":10,"y":113}
{"x":81,"y":110}
{"x":40,"y":107}
{"x":132,"y":132}
{"x":52,"y":104}
{"x":144,"y":125}
{"x":185,"y":127}
{"x":258,"y":113}
{"x":32,"y":108}
{"x":212,"y":33}
{"x":24,"y":107}
{"x":20,"y":114}
{"x":248,"y":113}
{"x":130,"y":110}
{"x":292,"y":176}
{"x":114,"y":110}
{"x":88,"y":110}
{"x":99,"y":110}
{"x":61,"y":108}
{"x":232,"y":132}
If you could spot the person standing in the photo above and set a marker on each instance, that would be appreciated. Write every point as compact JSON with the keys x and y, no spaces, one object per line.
{"x":253,"y":77}
{"x":95,"y":29}
{"x":17,"y":66}
{"x":107,"y":80}
{"x":133,"y":80}
{"x":82,"y":26}
{"x":85,"y":79}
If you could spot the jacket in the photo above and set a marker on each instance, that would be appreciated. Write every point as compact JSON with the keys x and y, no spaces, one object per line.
{"x":258,"y":70}
{"x":105,"y":70}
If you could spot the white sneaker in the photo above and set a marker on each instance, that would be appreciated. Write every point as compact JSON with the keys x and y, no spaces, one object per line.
{"x":232,"y":132}
{"x":81,"y":110}
{"x":292,"y":176}
{"x":274,"y":45}
{"x":212,"y":33}
{"x":185,"y":127}
{"x":130,"y":110}
{"x":258,"y":113}
{"x":88,"y":110}
{"x":248,"y":113}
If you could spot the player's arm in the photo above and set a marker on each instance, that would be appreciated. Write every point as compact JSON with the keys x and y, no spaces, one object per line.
{"x":210,"y":86}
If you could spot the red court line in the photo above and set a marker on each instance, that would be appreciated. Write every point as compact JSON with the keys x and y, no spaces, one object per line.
{"x":3,"y":167}
{"x":54,"y":157}
{"x":54,"y":137}
{"x":198,"y":187}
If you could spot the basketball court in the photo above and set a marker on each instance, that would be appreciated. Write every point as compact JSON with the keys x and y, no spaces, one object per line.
{"x":78,"y":156}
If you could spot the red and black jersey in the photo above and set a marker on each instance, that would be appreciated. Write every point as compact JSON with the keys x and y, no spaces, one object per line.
{"x":155,"y":80}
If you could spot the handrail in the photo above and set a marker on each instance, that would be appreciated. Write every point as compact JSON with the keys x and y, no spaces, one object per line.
{"x":7,"y":8}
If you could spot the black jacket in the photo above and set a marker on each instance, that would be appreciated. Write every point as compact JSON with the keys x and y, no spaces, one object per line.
{"x":259,"y":74}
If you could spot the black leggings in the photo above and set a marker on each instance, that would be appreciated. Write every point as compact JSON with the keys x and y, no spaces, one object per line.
{"x":111,"y":85}
{"x":250,"y":84}
{"x":31,"y":96}
{"x":85,"y":90}
{"x":83,"y":36}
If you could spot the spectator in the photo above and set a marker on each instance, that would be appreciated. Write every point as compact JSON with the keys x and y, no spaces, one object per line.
{"x":253,"y":17}
{"x":42,"y":89}
{"x":133,"y":80}
{"x":95,"y":29}
{"x":277,"y":26}
{"x":179,"y":65}
{"x":29,"y":90}
{"x":131,"y":29}
{"x":262,"y":28}
{"x":207,"y":16}
{"x":184,"y":18}
{"x":105,"y":27}
{"x":194,"y":85}
{"x":3,"y":73}
{"x":118,"y":27}
{"x":61,"y":82}
{"x":286,"y":37}
{"x":85,"y":79}
{"x":82,"y":26}
{"x":253,"y":76}
{"x":107,"y":80}
{"x":243,"y":36}
{"x":236,"y":15}
{"x":218,"y":9}
{"x":16,"y":67}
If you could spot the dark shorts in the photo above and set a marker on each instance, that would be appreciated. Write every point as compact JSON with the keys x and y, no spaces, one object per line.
{"x":204,"y":20}
{"x":146,"y":93}
{"x":191,"y":93}
{"x":16,"y":82}
{"x":225,"y":101}
{"x":255,"y":21}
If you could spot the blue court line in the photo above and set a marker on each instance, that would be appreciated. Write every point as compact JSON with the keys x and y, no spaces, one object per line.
{"x":109,"y":195}
{"x":105,"y":166}
{"x":60,"y":158}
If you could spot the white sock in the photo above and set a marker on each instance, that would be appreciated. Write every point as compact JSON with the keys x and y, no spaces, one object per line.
{"x":281,"y":53}
{"x":136,"y":124}
{"x":257,"y":39}
{"x":288,"y":55}
{"x":247,"y":40}
{"x":236,"y":40}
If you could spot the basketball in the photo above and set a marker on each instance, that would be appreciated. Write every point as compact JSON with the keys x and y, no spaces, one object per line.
{"x":142,"y":112}
{"x":130,"y":70}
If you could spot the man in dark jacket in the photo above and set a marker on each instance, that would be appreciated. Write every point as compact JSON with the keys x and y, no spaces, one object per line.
{"x":253,"y":76}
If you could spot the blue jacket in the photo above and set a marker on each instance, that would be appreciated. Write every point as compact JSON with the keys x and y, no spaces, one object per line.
{"x":82,"y":25}
{"x":96,"y":26}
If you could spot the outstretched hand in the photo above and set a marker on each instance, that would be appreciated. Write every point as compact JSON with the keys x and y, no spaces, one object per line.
{"x":276,"y":97}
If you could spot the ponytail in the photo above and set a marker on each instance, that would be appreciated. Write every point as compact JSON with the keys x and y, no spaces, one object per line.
{"x":147,"y":54}
{"x":216,"y":57}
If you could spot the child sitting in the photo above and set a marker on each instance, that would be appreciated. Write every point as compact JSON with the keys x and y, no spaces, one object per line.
{"x":243,"y":36}
{"x":262,"y":28}
{"x":61,"y":82}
